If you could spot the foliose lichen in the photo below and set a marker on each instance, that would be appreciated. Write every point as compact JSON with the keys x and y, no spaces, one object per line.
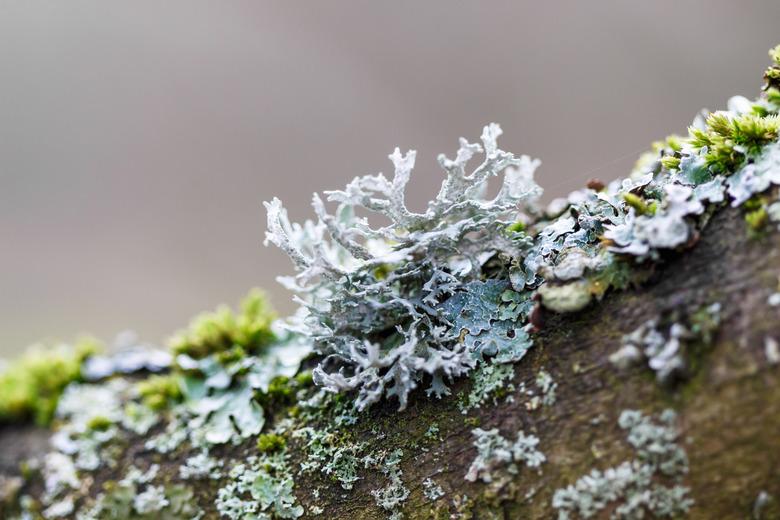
{"x":649,"y":484}
{"x":498,"y":454}
{"x":460,"y":288}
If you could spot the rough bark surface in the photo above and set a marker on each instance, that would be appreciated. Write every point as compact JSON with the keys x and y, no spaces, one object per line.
{"x":728,"y":409}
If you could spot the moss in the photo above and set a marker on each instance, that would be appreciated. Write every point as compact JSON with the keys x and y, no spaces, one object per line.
{"x":471,"y":421}
{"x":282,"y":390}
{"x":304,"y":379}
{"x":158,"y":392}
{"x":670,"y":162}
{"x":223,"y":330}
{"x":772,"y":73}
{"x":757,"y":219}
{"x":639,"y":204}
{"x":99,"y":423}
{"x":729,"y":140}
{"x":270,"y":443}
{"x":516,"y":227}
{"x":30,"y":387}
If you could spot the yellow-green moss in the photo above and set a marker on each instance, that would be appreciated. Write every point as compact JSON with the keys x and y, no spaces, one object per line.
{"x":99,"y":423}
{"x":221,"y":330}
{"x":30,"y":387}
{"x":158,"y":392}
{"x":270,"y":443}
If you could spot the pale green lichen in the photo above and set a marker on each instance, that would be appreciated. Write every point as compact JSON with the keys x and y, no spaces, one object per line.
{"x":666,"y":352}
{"x":432,"y":490}
{"x":647,"y":485}
{"x":547,"y":386}
{"x":488,"y":380}
{"x":496,"y":454}
{"x":392,"y":496}
{"x":135,"y":497}
{"x":201,"y":466}
{"x":335,"y":459}
{"x":262,"y":487}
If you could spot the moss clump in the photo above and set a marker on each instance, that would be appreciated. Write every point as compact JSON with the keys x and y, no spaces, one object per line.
{"x":270,"y":443}
{"x":729,"y":140}
{"x":757,"y":219}
{"x":30,"y":387}
{"x":158,"y":392}
{"x":221,"y":330}
{"x":282,"y":390}
{"x":99,"y":423}
{"x":772,"y":73}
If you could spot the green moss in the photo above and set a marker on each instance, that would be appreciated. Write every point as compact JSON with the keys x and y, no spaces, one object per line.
{"x":639,"y":204}
{"x":158,"y":392}
{"x":670,"y":162}
{"x":516,"y":227}
{"x":30,"y":387}
{"x":304,"y":379}
{"x":282,"y":391}
{"x":729,"y":140}
{"x":757,"y":219}
{"x":471,"y":421}
{"x":99,"y":423}
{"x":231,"y":355}
{"x":222,"y":330}
{"x":270,"y":443}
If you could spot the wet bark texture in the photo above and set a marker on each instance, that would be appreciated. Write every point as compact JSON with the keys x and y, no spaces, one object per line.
{"x":728,"y":408}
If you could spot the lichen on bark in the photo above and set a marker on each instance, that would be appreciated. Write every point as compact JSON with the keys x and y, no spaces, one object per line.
{"x":676,"y":266}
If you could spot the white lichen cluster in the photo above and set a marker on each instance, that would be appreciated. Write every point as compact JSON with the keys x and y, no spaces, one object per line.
{"x":136,"y":496}
{"x":497,"y":455}
{"x":487,"y":380}
{"x":432,"y":490}
{"x":649,"y":484}
{"x":259,"y":488}
{"x":392,"y":496}
{"x":665,"y":351}
{"x":374,"y":297}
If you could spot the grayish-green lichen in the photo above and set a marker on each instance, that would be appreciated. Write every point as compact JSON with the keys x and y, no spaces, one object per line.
{"x":665,"y":352}
{"x":497,"y":454}
{"x":648,"y":484}
{"x":432,"y":490}
{"x":487,"y":379}
{"x":392,"y":496}
{"x":260,"y":488}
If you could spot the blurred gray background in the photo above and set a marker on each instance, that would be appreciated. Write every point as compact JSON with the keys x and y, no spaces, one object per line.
{"x":138,"y":139}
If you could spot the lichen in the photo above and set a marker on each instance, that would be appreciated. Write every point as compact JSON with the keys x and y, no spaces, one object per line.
{"x":458,"y":289}
{"x":135,"y":497}
{"x":394,"y":494}
{"x":648,"y":484}
{"x":488,"y":380}
{"x":667,"y":352}
{"x":379,"y":329}
{"x":496,"y":453}
{"x":432,"y":490}
{"x":260,"y":487}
